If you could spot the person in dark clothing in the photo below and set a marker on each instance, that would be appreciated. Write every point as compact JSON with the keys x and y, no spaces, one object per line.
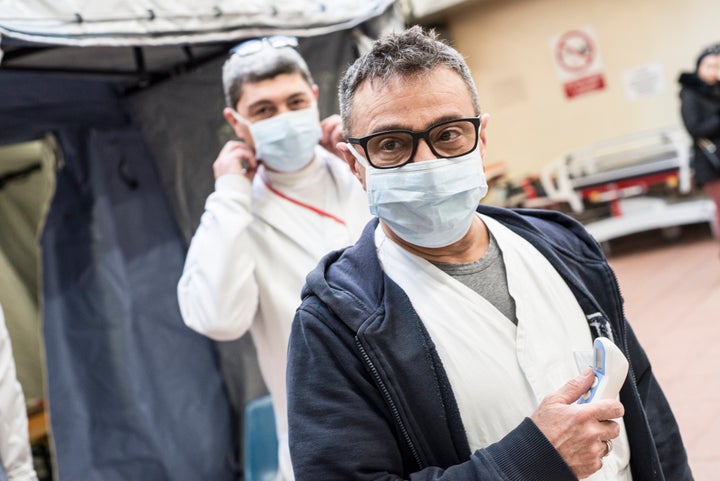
{"x":700,"y":108}
{"x":441,"y":346}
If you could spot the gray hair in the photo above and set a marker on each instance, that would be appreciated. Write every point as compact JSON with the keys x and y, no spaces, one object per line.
{"x":410,"y":53}
{"x":266,"y":63}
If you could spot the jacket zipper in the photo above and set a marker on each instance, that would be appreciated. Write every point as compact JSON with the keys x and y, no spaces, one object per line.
{"x":391,"y":403}
{"x":631,"y":372}
{"x":621,"y":320}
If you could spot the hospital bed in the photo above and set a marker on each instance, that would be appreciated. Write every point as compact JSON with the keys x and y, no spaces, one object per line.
{"x":622,"y":173}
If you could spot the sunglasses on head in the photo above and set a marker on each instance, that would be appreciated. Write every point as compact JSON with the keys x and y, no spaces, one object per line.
{"x":253,"y":46}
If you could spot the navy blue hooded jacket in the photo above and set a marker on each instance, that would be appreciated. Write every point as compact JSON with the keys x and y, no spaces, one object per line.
{"x":368,"y":398}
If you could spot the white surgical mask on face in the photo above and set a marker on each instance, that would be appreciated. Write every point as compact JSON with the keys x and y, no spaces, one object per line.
{"x":430,"y":203}
{"x":287,"y":141}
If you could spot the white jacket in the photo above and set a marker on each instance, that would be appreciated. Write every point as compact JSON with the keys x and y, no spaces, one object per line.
{"x":15,"y":450}
{"x":248,"y":259}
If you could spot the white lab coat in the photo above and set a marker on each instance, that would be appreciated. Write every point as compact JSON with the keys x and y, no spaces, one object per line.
{"x":15,"y":450}
{"x":248,"y":260}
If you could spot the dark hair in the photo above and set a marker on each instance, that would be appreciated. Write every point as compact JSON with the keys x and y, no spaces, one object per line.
{"x":266,"y":63}
{"x":408,"y":53}
{"x":712,"y":50}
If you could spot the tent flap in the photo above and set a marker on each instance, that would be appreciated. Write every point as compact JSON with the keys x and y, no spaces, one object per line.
{"x":157,"y":22}
{"x":133,"y":393}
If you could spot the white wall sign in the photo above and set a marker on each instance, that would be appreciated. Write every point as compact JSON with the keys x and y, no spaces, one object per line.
{"x":644,"y":81}
{"x":577,"y":60}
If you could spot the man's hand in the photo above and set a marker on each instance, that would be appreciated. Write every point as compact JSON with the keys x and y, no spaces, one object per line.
{"x":236,"y":157}
{"x":579,"y":431}
{"x":332,"y":134}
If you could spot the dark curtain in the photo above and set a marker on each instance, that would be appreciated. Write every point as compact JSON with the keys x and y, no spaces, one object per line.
{"x":132,"y":393}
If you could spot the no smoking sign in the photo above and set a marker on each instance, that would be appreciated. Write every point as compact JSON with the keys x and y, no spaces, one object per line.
{"x":575,"y":51}
{"x":577,"y":60}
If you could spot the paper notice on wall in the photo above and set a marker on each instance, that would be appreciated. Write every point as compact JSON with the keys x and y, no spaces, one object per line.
{"x":577,"y":60}
{"x":644,"y":81}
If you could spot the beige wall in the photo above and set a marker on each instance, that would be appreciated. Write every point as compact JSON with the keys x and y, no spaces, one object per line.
{"x":507,"y":45}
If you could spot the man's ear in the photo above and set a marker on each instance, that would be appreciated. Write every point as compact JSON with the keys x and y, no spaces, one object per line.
{"x":241,"y":130}
{"x":484,"y":118}
{"x":316,"y":92}
{"x":228,"y":114}
{"x":356,"y":168}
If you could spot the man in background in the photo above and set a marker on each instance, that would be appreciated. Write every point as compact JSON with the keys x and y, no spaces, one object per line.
{"x":282,"y":200}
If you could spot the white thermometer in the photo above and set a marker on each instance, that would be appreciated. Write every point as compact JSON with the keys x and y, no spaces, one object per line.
{"x":610,"y":368}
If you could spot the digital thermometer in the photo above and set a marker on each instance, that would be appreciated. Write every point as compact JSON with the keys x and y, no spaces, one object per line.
{"x":610,"y":368}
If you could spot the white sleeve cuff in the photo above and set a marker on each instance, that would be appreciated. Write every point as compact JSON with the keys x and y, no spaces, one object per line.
{"x":233,"y":183}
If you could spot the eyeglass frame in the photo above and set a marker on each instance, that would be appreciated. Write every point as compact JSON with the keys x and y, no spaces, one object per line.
{"x":274,"y":41}
{"x":416,"y":135}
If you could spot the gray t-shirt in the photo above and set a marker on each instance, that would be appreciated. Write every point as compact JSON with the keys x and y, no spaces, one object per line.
{"x":486,"y":276}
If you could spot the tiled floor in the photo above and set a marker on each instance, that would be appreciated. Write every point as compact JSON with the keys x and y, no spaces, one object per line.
{"x":672,"y":300}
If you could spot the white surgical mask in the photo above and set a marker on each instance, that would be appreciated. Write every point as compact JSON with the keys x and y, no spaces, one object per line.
{"x":430,"y":203}
{"x":287,"y":141}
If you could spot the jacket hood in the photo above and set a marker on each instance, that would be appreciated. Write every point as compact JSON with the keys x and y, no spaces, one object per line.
{"x":692,"y":82}
{"x":351,"y":283}
{"x":690,"y":79}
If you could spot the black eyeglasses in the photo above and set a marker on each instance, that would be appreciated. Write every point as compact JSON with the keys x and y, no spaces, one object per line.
{"x":253,"y":46}
{"x":395,"y":148}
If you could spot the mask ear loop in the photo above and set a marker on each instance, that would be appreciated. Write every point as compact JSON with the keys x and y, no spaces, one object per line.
{"x":240,"y":118}
{"x":243,"y":163}
{"x":363,"y":161}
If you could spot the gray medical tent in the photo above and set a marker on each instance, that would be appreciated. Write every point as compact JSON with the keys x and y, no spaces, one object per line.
{"x":109,"y":123}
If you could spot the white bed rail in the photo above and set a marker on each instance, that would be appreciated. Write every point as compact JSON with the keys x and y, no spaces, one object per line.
{"x":614,"y":160}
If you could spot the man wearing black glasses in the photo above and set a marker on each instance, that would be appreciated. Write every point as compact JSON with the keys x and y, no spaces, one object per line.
{"x":281,"y":201}
{"x":443,"y":344}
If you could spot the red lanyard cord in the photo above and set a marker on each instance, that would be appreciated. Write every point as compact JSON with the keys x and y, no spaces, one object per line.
{"x":302,"y":204}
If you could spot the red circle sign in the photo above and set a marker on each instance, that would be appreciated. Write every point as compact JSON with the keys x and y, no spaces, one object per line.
{"x":575,"y":51}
